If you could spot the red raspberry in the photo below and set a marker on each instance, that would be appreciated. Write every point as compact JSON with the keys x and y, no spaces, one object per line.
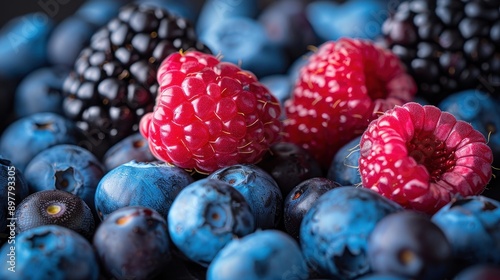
{"x":343,"y":87}
{"x":210,"y":114}
{"x":422,"y":157}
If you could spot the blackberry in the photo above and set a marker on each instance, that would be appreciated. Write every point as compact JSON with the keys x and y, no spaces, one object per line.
{"x":447,"y":45}
{"x":113,"y":83}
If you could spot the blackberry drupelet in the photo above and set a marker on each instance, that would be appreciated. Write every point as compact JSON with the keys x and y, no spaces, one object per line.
{"x":447,"y":45}
{"x":113,"y":83}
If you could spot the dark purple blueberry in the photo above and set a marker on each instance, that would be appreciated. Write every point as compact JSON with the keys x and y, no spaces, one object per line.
{"x":410,"y":245}
{"x":301,"y":199}
{"x":480,"y":271}
{"x":344,"y":167}
{"x":133,"y":243}
{"x":259,"y":189}
{"x":55,"y":207}
{"x":206,"y":216}
{"x":133,"y":147}
{"x":289,"y":165}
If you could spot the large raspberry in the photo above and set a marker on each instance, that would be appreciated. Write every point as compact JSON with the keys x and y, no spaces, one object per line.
{"x":422,"y":157}
{"x":343,"y":87}
{"x":210,"y":114}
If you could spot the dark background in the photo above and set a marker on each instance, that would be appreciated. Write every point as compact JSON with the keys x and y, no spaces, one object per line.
{"x":10,"y":10}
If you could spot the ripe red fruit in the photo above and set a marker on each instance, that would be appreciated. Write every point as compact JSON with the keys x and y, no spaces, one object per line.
{"x":343,"y":87}
{"x":422,"y":157}
{"x":210,"y":114}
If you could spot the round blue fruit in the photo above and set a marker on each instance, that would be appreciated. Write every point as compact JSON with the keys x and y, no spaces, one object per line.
{"x":262,"y":255}
{"x":259,"y":189}
{"x":154,"y":185}
{"x":49,"y":252}
{"x":214,"y":11}
{"x":67,"y":168}
{"x":334,"y":232}
{"x":344,"y":167}
{"x":25,"y":138}
{"x":280,"y":86}
{"x":479,"y":271}
{"x":471,"y":226}
{"x":133,"y":243}
{"x":205,"y":216}
{"x":133,"y":147}
{"x":98,"y":13}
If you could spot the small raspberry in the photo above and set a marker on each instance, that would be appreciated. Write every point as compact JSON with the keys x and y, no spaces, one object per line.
{"x":210,"y":114}
{"x":339,"y":91}
{"x":422,"y":157}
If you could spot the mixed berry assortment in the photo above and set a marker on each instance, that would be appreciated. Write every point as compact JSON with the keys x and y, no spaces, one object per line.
{"x":219,"y":139}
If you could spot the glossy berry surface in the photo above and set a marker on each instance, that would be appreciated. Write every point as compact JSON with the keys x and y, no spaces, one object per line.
{"x":206,"y":216}
{"x":471,"y":226}
{"x":418,"y":248}
{"x":344,"y":167}
{"x":344,"y":85}
{"x":484,"y":272}
{"x":55,"y":207}
{"x":259,"y":189}
{"x":210,"y":114}
{"x":334,"y":232}
{"x":154,"y":185}
{"x":133,"y":147}
{"x":132,"y":243}
{"x":50,"y":251}
{"x":266,"y":254}
{"x":301,"y":199}
{"x":420,"y":157}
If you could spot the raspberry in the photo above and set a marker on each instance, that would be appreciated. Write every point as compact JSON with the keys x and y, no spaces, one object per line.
{"x":210,"y":114}
{"x":422,"y":157}
{"x":343,"y":87}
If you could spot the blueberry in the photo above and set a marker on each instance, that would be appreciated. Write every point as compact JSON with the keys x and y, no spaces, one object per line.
{"x":23,"y":139}
{"x":153,"y":185}
{"x":294,"y":69}
{"x":23,"y":43}
{"x":258,"y":188}
{"x":344,"y":166}
{"x":49,"y":252}
{"x":376,"y":276}
{"x":280,"y":86}
{"x":55,"y":207}
{"x":183,"y":9}
{"x":67,"y":40}
{"x":214,"y":11}
{"x":301,"y":199}
{"x":67,"y":168}
{"x":133,"y":147}
{"x":205,"y":216}
{"x":409,"y":244}
{"x":244,"y":41}
{"x":289,"y":165}
{"x":479,"y":271}
{"x":13,"y":189}
{"x":471,"y":226}
{"x":41,"y":91}
{"x":265,"y":254}
{"x":132,"y":243}
{"x":334,"y":232}
{"x":98,"y":13}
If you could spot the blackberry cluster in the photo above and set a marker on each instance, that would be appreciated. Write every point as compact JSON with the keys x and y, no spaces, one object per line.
{"x":447,"y":45}
{"x":114,"y":79}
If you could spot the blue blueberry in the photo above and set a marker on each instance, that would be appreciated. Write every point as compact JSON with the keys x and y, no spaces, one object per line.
{"x":67,"y":168}
{"x":244,"y":41}
{"x":23,"y":44}
{"x":214,"y":11}
{"x":334,"y":232}
{"x":479,"y":271}
{"x":41,"y":91}
{"x":55,"y":207}
{"x":301,"y":199}
{"x":376,"y":276}
{"x":49,"y":252}
{"x":133,"y":243}
{"x":410,"y":245}
{"x":265,"y":254}
{"x":280,"y":86}
{"x":355,"y":19}
{"x":185,"y":9}
{"x":344,"y":167}
{"x":205,"y":216}
{"x":471,"y":226}
{"x":23,"y":139}
{"x":154,"y":185}
{"x":133,"y":147}
{"x":98,"y":13}
{"x":13,"y":189}
{"x":259,"y":189}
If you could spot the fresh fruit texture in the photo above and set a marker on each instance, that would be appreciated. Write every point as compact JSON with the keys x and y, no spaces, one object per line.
{"x":113,"y":83}
{"x":447,"y":45}
{"x":344,"y":86}
{"x":344,"y":167}
{"x":422,"y":157}
{"x":210,"y":114}
{"x":132,"y":147}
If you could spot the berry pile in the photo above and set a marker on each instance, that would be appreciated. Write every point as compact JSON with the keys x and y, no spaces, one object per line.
{"x":256,"y":139}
